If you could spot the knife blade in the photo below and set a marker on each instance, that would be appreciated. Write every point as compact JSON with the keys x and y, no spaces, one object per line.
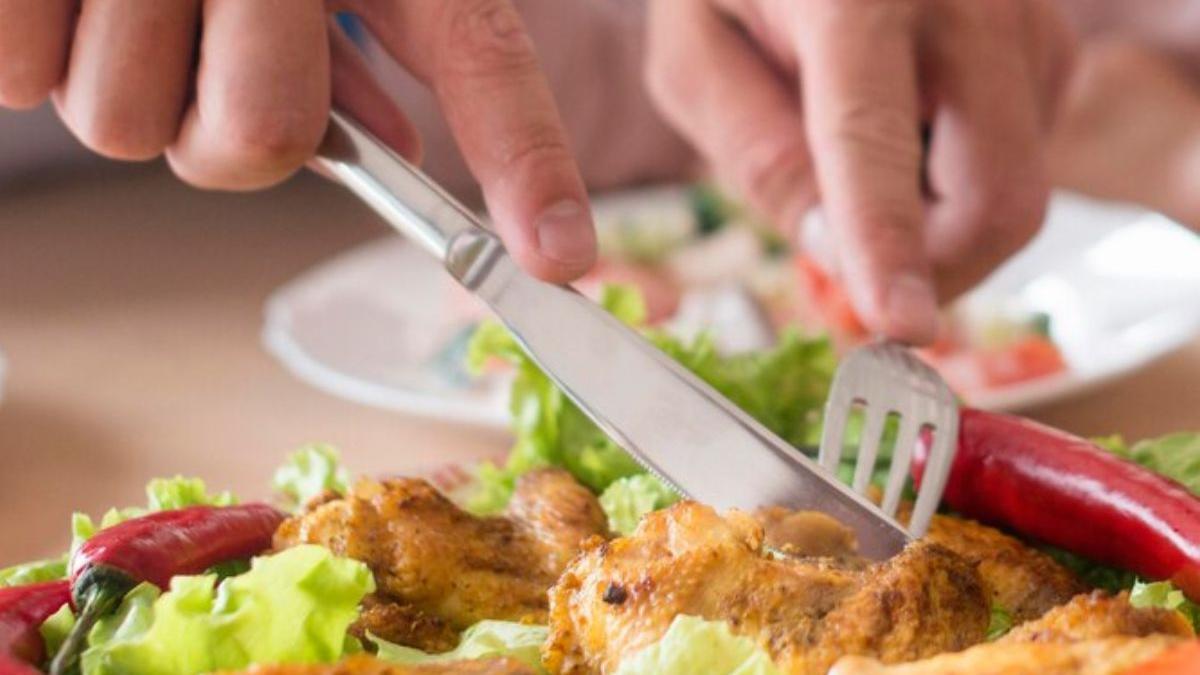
{"x":671,"y":421}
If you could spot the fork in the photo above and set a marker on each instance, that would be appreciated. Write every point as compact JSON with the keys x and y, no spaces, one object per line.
{"x":887,"y":379}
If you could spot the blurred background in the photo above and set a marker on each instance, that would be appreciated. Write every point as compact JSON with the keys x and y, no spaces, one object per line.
{"x":151,"y":329}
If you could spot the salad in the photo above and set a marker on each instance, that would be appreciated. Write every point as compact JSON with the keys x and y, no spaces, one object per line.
{"x":549,"y":561}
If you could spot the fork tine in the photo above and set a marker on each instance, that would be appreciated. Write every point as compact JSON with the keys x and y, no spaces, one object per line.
{"x":937,"y":470}
{"x":906,"y":440}
{"x":868,"y":446}
{"x":833,"y":429}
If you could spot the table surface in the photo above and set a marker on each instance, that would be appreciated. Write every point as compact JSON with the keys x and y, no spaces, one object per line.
{"x":130,"y":310}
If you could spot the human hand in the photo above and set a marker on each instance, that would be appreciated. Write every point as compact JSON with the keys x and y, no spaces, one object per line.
{"x":806,"y":102}
{"x":236,"y":94}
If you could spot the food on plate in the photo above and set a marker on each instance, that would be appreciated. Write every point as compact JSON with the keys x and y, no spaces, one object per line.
{"x":622,"y":596}
{"x":365,"y":665}
{"x":440,"y":569}
{"x":1055,"y":487}
{"x":570,"y":558}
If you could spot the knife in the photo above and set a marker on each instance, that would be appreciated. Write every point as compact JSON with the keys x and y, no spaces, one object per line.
{"x":676,"y":425}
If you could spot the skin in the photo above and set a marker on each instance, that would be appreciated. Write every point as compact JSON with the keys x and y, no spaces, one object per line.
{"x":801,"y":102}
{"x":821,"y":102}
{"x":236,"y":94}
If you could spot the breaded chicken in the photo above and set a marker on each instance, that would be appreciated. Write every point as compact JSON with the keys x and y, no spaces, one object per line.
{"x":365,"y":665}
{"x":1022,"y":580}
{"x":1094,"y":615}
{"x":439,"y":569}
{"x":1094,"y":633}
{"x":1109,"y":656}
{"x":620,"y":596}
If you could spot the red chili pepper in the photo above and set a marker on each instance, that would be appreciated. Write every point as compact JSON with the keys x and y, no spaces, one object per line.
{"x":23,"y":610}
{"x":154,"y":548}
{"x":1066,"y":491}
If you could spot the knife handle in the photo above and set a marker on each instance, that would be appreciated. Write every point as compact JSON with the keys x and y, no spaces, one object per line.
{"x":407,"y":199}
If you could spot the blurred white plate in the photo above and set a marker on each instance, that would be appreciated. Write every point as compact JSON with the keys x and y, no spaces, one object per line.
{"x":1121,"y":287}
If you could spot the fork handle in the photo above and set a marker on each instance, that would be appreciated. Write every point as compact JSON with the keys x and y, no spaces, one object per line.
{"x":404,"y":197}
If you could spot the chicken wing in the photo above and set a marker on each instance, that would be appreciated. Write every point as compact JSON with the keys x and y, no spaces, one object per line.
{"x":365,"y":665}
{"x":439,"y":569}
{"x":622,"y":595}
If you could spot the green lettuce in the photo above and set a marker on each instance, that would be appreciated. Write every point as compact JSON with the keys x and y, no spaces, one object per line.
{"x":162,"y":494}
{"x":486,"y":639}
{"x":1000,"y":623}
{"x":34,"y":572}
{"x":694,"y":646}
{"x":1176,"y":456}
{"x":1164,"y":594}
{"x":310,"y":471}
{"x":291,"y":607}
{"x":783,"y":387}
{"x":627,"y":499}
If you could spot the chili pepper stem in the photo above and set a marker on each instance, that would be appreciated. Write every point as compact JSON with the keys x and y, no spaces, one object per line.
{"x":99,"y":603}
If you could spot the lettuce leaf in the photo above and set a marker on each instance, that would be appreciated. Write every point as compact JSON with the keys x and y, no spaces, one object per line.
{"x":693,"y":646}
{"x":34,"y":572}
{"x":486,"y":639}
{"x":626,"y":500}
{"x":783,"y":387}
{"x":291,"y":607}
{"x":1164,"y":594}
{"x":1176,"y":456}
{"x":1000,"y":623}
{"x":162,"y":494}
{"x":310,"y":471}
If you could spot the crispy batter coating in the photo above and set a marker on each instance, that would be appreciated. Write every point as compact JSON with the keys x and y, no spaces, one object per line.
{"x":1109,"y":656}
{"x":620,"y":596}
{"x":365,"y":665}
{"x":444,"y":569}
{"x":1094,"y":615}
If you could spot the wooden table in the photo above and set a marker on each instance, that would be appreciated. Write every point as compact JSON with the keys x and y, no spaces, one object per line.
{"x":130,"y":308}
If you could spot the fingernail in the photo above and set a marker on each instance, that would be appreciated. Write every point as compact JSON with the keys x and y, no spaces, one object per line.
{"x":565,"y":233}
{"x":912,"y":309}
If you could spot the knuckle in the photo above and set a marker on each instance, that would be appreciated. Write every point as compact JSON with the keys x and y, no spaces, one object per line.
{"x":537,"y":146}
{"x":484,"y":38}
{"x":268,"y":141}
{"x":117,"y":135}
{"x":880,"y":135}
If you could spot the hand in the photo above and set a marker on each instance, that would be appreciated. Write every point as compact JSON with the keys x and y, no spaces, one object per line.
{"x":237,"y":93}
{"x":806,"y":102}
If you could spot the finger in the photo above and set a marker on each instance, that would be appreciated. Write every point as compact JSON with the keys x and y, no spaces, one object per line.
{"x":480,"y":62}
{"x":129,"y":74}
{"x":986,"y":165}
{"x":356,"y":91}
{"x":262,"y":94}
{"x":715,"y":88}
{"x":35,"y":37}
{"x":861,"y":105}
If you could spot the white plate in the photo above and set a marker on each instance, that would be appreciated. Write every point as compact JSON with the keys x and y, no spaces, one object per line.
{"x":1121,"y":287}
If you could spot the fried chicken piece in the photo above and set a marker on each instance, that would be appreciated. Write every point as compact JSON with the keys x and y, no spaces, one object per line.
{"x":365,"y":665}
{"x":1024,"y":581}
{"x":620,"y":596}
{"x":1109,"y":656}
{"x":445,"y":569}
{"x":1094,"y":615}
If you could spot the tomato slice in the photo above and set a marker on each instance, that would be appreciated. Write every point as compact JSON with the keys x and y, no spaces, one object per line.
{"x":1029,"y":358}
